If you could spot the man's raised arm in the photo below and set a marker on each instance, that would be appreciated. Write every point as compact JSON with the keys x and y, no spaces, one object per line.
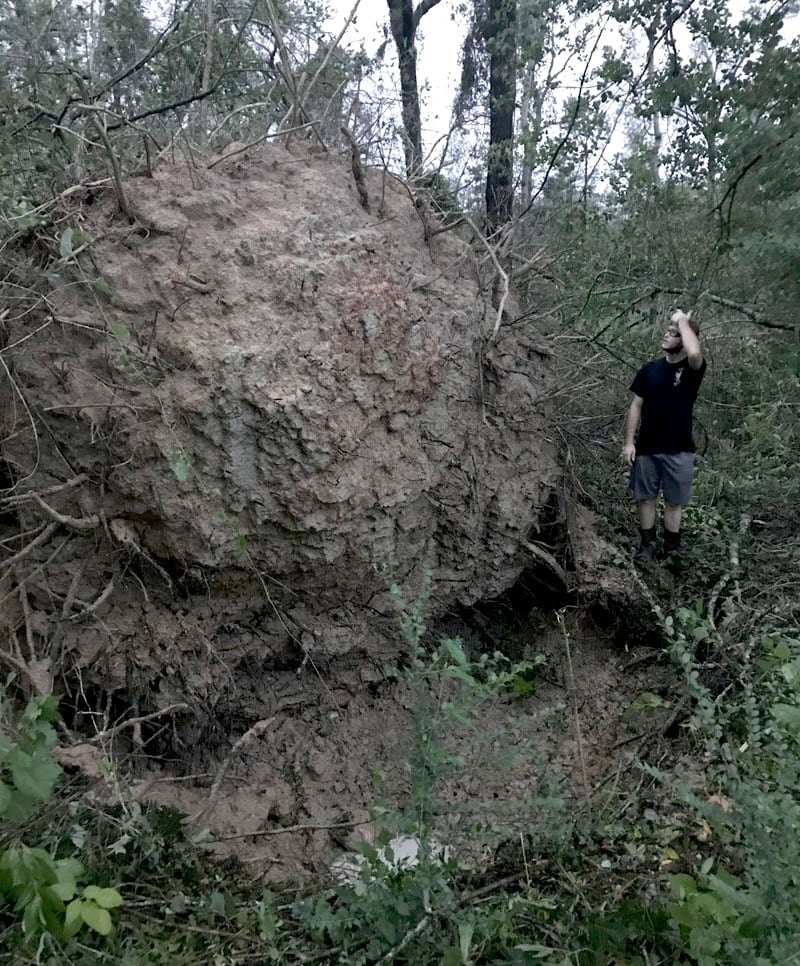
{"x":691,"y":344}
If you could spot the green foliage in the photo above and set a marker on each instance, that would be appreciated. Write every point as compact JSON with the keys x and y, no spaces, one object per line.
{"x":181,"y":466}
{"x":45,"y":894}
{"x":436,"y":188}
{"x":44,"y":890}
{"x":28,"y":771}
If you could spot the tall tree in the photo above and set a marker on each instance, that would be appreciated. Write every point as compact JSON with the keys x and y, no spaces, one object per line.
{"x":404,"y":21}
{"x":501,"y":42}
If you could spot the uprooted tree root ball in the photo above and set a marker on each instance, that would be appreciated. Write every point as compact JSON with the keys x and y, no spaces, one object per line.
{"x":234,"y":417}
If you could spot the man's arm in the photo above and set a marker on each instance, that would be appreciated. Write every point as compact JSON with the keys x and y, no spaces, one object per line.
{"x":691,"y":344}
{"x":632,"y":418}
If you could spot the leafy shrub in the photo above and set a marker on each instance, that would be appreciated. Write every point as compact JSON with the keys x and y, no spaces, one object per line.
{"x":43,"y":890}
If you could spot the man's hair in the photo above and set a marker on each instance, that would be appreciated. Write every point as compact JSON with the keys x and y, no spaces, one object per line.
{"x":694,"y":325}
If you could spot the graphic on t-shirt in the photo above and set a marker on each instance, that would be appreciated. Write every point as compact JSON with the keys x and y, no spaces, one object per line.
{"x":677,"y":380}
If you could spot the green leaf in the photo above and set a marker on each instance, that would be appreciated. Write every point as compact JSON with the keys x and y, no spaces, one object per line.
{"x":68,"y":870}
{"x":73,"y":918}
{"x":64,"y":890}
{"x":787,"y":715}
{"x":465,"y":933}
{"x":683,"y":885}
{"x":122,"y":332}
{"x":217,"y":903}
{"x":35,"y":775}
{"x":105,"y":898}
{"x":65,"y":246}
{"x":181,"y":465}
{"x":459,"y":674}
{"x":96,"y":918}
{"x":646,"y":701}
{"x":5,"y":799}
{"x":32,"y":917}
{"x":453,"y":648}
{"x":101,"y":285}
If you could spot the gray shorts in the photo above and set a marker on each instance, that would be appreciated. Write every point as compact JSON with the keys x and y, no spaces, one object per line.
{"x":670,"y":472}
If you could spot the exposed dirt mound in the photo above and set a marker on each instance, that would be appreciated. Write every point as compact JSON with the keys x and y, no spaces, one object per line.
{"x":241,"y":414}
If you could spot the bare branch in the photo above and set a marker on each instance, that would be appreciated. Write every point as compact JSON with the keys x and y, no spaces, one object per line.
{"x":422,"y":8}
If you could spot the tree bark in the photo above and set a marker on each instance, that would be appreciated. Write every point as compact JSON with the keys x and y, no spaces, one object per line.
{"x":655,"y":158}
{"x":404,"y":32}
{"x":501,"y":42}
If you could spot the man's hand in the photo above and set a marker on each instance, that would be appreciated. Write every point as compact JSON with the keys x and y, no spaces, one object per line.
{"x":691,"y":344}
{"x":628,"y":454}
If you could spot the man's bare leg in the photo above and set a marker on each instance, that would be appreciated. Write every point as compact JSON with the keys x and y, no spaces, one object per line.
{"x":672,"y":517}
{"x":647,"y":514}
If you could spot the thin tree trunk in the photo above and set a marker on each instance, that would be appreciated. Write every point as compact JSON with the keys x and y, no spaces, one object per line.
{"x":501,"y":41}
{"x":404,"y":31}
{"x":526,"y":180}
{"x":208,"y":60}
{"x":655,"y":159}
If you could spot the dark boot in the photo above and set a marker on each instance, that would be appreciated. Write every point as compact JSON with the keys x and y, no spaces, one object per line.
{"x":647,"y":547}
{"x":672,"y":549}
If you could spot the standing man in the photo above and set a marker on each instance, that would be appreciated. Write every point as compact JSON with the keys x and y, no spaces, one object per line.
{"x":662,"y":456}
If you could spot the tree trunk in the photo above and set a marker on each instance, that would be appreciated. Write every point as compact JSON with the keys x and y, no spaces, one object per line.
{"x":501,"y":42}
{"x":208,"y":59}
{"x":655,"y":158}
{"x":404,"y":31}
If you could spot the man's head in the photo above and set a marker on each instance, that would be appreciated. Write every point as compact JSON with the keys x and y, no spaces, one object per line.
{"x":672,"y":343}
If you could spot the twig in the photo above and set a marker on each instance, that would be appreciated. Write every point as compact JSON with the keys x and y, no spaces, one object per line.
{"x":43,"y":537}
{"x":9,"y":501}
{"x":306,"y":91}
{"x":251,"y":144}
{"x":574,"y":694}
{"x":541,"y":554}
{"x":26,"y":610}
{"x":74,"y":523}
{"x":135,"y":722}
{"x":12,"y":382}
{"x":307,"y":656}
{"x":256,"y":731}
{"x":744,"y":524}
{"x":356,"y":167}
{"x":411,"y":934}
{"x":309,"y":827}
{"x":91,"y":608}
{"x":500,"y":271}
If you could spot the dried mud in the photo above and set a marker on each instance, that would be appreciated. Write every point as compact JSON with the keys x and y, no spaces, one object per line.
{"x":301,"y":794}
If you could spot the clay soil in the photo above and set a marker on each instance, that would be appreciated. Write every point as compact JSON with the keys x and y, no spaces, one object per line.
{"x":302,"y":794}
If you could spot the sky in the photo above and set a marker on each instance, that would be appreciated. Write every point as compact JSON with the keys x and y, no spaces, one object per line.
{"x":439,"y":40}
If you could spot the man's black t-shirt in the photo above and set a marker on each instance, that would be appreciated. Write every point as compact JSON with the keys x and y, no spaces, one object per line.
{"x":669,"y":390}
